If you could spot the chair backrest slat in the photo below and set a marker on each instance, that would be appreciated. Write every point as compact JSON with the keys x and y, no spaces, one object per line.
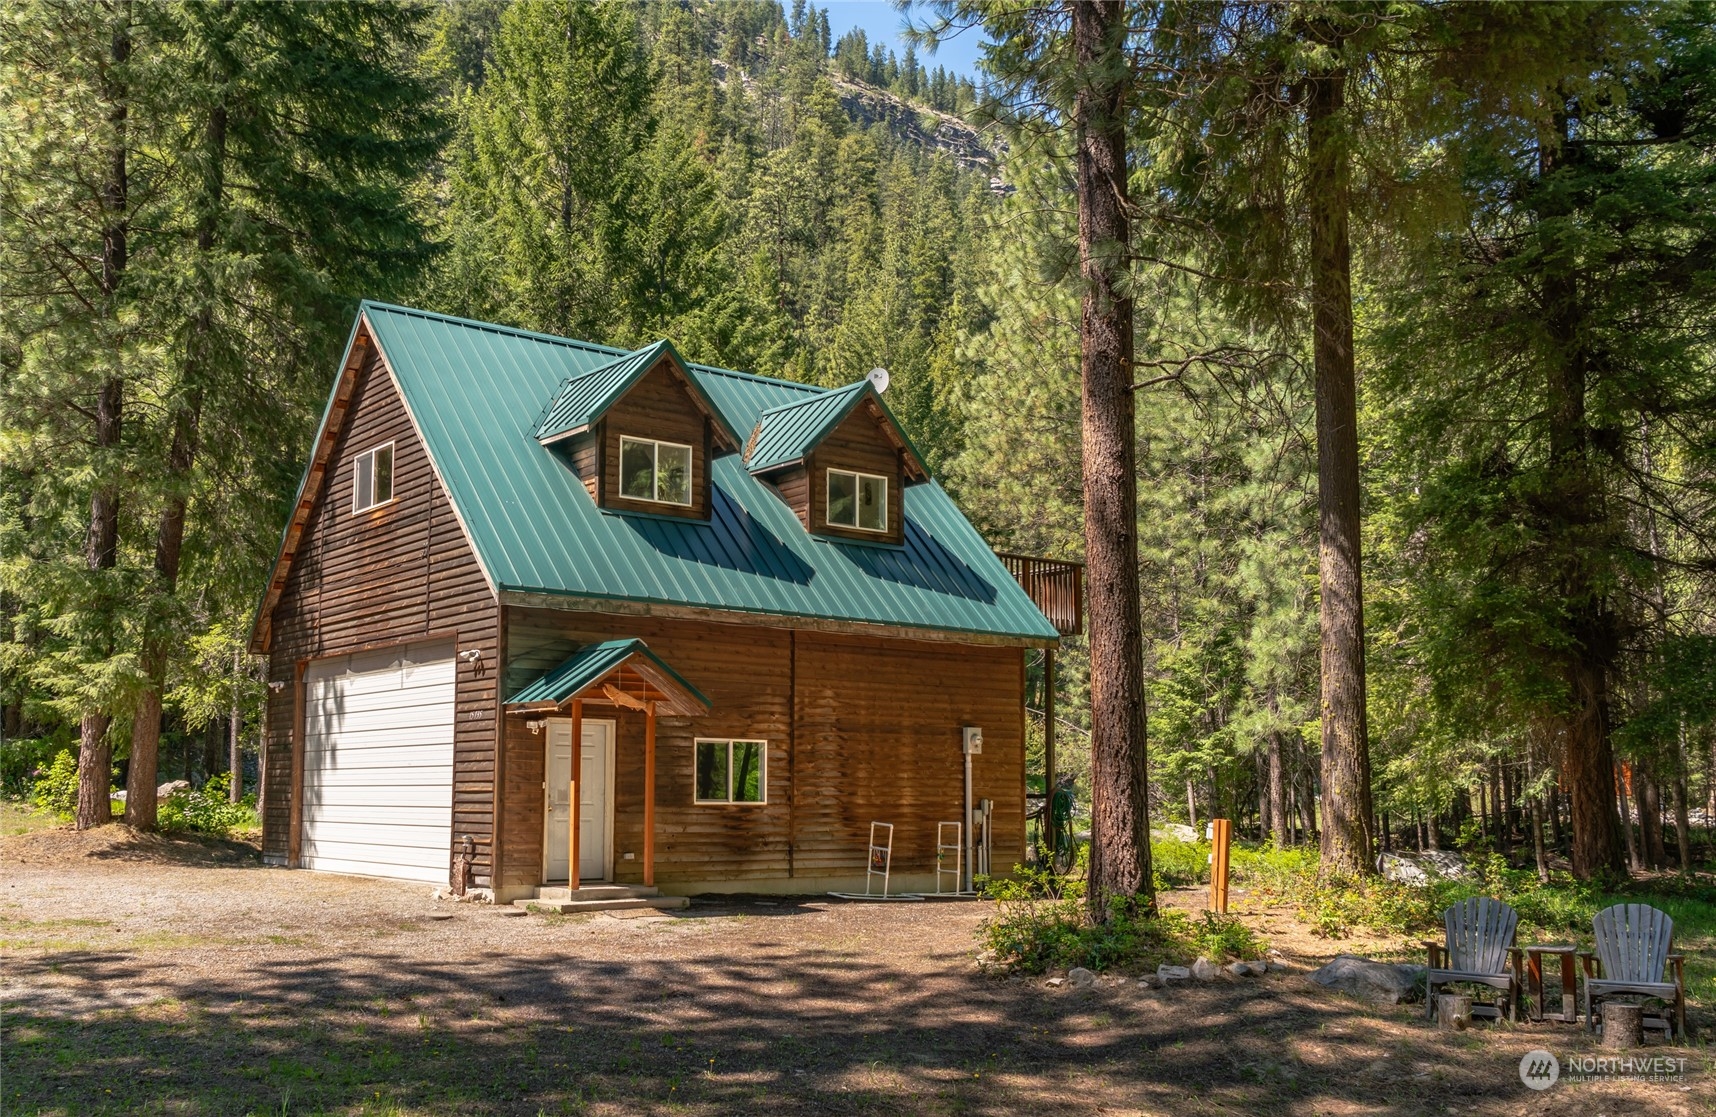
{"x":1633,"y":941}
{"x":1479,"y":932}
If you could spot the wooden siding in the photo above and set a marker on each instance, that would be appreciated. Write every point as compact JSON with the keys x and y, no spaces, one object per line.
{"x":657,"y":407}
{"x":857,"y":444}
{"x":399,"y":572}
{"x":859,"y":729}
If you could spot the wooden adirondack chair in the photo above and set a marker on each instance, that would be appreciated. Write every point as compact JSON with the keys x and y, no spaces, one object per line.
{"x":1633,"y":941}
{"x":1478,"y":949}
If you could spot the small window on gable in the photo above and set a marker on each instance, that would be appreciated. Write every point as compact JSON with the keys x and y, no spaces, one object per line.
{"x":857,"y":500}
{"x":655,"y":471}
{"x":372,"y":478}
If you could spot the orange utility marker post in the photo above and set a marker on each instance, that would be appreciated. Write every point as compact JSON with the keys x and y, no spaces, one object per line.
{"x":576,"y":762}
{"x":649,"y":795}
{"x":1223,"y":834}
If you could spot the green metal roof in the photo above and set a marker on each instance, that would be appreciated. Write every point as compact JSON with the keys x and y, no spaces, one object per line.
{"x":475,"y":392}
{"x":584,"y":397}
{"x":785,"y":434}
{"x":591,"y":663}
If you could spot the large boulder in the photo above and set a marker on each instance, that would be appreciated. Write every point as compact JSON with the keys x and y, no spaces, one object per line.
{"x":1422,"y":868}
{"x":1379,"y":983}
{"x":172,"y":787}
{"x":1178,"y":831}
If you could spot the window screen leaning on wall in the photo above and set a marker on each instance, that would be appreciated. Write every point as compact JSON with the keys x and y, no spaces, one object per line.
{"x":730,"y":771}
{"x":658,"y":471}
{"x":857,"y":500}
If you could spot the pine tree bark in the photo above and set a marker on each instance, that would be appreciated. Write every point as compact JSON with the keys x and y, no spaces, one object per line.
{"x":101,"y":542}
{"x":140,"y":804}
{"x":1346,"y":824}
{"x":1277,"y":793}
{"x":1575,"y":509}
{"x":1626,"y":825}
{"x":1682,"y":822}
{"x":1650,"y":818}
{"x":1120,"y":845}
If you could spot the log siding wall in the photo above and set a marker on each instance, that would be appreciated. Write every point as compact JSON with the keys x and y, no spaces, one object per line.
{"x":658,"y":407}
{"x":859,"y":729}
{"x":391,"y":575}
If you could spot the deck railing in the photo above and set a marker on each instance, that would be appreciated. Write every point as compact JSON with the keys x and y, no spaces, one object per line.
{"x":1055,"y":585}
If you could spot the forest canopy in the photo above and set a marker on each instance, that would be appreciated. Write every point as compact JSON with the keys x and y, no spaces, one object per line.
{"x":196,"y":195}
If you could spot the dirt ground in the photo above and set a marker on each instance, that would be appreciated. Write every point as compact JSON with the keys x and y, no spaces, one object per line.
{"x":167,"y":976}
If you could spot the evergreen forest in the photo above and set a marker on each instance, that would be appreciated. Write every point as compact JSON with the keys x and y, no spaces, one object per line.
{"x":195,"y":195}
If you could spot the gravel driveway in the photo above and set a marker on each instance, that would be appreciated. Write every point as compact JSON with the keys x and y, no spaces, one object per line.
{"x":154,"y":975}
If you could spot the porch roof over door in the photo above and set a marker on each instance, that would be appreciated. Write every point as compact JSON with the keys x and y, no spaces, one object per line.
{"x":623,"y":673}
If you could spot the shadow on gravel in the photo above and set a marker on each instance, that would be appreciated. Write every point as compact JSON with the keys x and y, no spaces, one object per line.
{"x":778,"y":1030}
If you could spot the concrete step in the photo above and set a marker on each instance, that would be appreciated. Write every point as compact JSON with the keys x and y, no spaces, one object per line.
{"x":596,"y":892}
{"x":615,"y":903}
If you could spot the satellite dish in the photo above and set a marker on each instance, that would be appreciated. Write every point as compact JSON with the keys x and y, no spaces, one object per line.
{"x":878,"y":377}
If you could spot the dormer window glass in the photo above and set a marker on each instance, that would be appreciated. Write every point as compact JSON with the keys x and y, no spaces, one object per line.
{"x":857,"y":500}
{"x":372,"y":478}
{"x":655,"y":471}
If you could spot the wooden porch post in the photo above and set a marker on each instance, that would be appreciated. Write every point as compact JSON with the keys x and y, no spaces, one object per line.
{"x":577,"y":764}
{"x":1047,"y":831}
{"x":649,"y":796}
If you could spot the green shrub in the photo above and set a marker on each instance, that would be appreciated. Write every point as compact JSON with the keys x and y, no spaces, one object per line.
{"x":1177,"y":864}
{"x":207,"y":810}
{"x":55,"y":788}
{"x":23,"y":760}
{"x":1041,"y":923}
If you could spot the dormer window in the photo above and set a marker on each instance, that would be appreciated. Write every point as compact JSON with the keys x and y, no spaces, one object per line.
{"x":655,"y":471}
{"x":857,"y":500}
{"x":372,"y":478}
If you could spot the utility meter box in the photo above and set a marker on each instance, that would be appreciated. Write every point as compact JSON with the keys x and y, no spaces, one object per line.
{"x":973,"y":739}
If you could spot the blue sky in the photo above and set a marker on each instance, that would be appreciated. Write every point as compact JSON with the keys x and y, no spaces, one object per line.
{"x":882,"y":24}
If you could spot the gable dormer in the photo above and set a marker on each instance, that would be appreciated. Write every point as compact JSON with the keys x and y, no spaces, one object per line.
{"x":840,"y":461}
{"x":640,"y":433}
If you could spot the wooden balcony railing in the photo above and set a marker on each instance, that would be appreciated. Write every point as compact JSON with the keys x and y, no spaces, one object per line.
{"x":1056,"y":586}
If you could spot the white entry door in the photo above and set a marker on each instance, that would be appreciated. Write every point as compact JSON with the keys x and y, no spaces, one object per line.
{"x":378,"y":763}
{"x":595,"y":800}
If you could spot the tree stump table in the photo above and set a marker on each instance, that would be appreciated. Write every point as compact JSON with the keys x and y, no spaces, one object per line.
{"x":1453,"y":1012}
{"x":1623,"y":1025}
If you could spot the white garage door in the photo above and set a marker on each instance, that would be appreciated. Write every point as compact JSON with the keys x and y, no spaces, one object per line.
{"x":378,"y":763}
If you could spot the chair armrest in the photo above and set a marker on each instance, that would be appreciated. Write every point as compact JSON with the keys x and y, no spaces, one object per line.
{"x":1678,"y":961}
{"x":1435,"y":950}
{"x":1585,"y":961}
{"x":1518,"y":957}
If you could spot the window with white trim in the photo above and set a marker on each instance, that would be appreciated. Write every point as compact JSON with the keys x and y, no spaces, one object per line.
{"x":655,"y":471}
{"x":857,"y":500}
{"x":731,"y":771}
{"x":372,"y":478}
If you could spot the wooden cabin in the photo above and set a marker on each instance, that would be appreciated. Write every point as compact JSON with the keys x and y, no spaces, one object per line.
{"x":563,"y":613}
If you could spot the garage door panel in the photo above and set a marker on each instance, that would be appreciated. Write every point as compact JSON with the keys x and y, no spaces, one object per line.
{"x":380,"y":863}
{"x":378,"y":763}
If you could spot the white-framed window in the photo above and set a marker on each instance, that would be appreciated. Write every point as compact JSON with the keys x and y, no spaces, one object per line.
{"x":372,"y":478}
{"x":656,"y":471}
{"x":857,"y":500}
{"x":731,"y":771}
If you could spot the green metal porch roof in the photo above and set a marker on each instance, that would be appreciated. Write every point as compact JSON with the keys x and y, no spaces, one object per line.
{"x":590,"y":664}
{"x":475,"y":391}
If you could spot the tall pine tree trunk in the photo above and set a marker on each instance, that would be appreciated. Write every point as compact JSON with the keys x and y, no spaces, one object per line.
{"x":140,"y":804}
{"x":1346,"y":838}
{"x":1650,"y":818}
{"x":1120,"y":846}
{"x":1575,"y":507}
{"x":1626,"y":825}
{"x":1277,"y":793}
{"x":1682,"y":823}
{"x":101,"y":543}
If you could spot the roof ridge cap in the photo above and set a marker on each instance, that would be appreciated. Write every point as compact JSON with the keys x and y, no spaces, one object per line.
{"x":494,"y":327}
{"x":821,"y":394}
